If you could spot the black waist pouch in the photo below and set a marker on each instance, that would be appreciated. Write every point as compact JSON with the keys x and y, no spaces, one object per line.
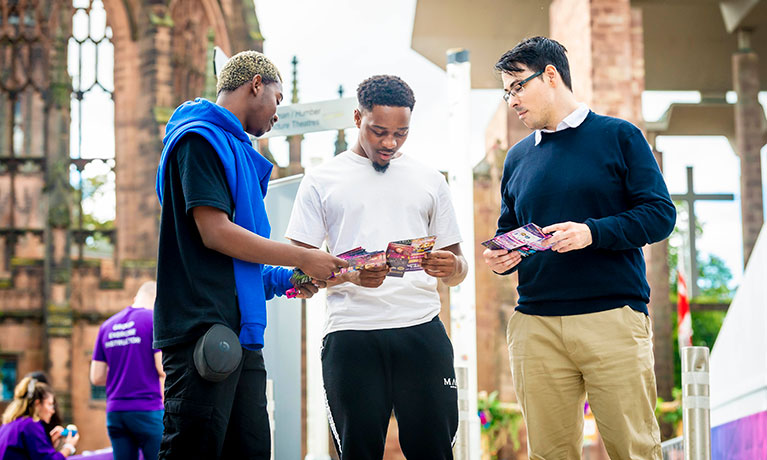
{"x":217,"y":353}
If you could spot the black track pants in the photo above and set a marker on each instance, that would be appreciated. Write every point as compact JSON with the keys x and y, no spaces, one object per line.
{"x":410,"y":370}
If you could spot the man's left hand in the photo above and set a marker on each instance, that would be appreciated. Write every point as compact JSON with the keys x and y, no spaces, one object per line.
{"x":440,"y":264}
{"x":307,"y":290}
{"x":569,"y":236}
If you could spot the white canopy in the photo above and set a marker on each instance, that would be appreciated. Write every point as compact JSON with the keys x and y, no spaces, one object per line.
{"x":738,"y":363}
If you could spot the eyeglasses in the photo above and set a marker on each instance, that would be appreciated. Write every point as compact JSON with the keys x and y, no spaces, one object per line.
{"x":519,"y":88}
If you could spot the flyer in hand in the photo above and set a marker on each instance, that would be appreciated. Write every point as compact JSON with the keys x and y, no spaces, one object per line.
{"x":297,"y":278}
{"x":527,"y":239}
{"x":358,"y":258}
{"x":406,"y":255}
{"x":402,"y":256}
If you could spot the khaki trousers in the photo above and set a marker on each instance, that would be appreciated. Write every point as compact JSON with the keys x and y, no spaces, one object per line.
{"x":557,"y":361}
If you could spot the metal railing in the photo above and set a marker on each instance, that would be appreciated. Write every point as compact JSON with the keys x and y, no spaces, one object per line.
{"x":673,"y":449}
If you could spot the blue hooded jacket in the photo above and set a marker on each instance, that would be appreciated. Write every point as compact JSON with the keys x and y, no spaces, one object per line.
{"x":247,"y":174}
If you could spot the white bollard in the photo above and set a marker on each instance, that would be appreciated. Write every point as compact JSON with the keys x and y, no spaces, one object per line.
{"x":270,"y":411}
{"x":461,"y":447}
{"x":696,"y":404}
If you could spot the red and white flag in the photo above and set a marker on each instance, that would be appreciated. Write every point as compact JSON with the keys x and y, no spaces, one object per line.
{"x":684,"y":328}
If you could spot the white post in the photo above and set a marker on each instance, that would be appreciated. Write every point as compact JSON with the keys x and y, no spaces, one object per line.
{"x":270,"y":411}
{"x":462,"y":442}
{"x":463,"y":321}
{"x":317,"y":435}
{"x":696,"y":403}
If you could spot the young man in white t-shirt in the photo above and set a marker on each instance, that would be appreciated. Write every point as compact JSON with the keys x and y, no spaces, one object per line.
{"x":384,"y":348}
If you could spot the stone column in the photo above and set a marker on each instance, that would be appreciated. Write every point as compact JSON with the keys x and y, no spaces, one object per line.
{"x":656,"y":258}
{"x":605,"y":50}
{"x":749,"y":117}
{"x":57,"y":265}
{"x":151,"y":99}
{"x":294,"y":142}
{"x":294,"y":149}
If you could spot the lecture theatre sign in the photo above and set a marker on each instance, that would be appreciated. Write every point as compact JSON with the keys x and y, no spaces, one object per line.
{"x":329,"y":115}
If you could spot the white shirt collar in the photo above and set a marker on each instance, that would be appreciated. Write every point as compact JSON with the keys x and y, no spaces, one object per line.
{"x":573,"y":120}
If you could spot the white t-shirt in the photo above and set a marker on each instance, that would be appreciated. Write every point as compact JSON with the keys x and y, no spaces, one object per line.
{"x":347,"y":203}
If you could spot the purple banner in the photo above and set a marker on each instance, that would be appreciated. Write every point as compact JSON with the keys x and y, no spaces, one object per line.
{"x":742,"y":439}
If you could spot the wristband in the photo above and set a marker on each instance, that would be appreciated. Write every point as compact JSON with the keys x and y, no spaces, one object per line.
{"x":69,"y":446}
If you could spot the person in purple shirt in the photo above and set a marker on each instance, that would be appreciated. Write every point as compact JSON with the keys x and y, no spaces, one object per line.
{"x":124,"y":361}
{"x":22,"y":436}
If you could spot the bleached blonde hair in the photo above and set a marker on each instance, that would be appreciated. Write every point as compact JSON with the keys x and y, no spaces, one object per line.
{"x":241,"y":69}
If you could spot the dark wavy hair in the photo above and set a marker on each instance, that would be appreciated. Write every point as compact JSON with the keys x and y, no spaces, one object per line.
{"x":536,"y":53}
{"x":385,"y":90}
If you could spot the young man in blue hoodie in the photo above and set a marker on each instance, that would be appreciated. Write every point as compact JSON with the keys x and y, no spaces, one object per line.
{"x":581,"y":326}
{"x":214,"y":262}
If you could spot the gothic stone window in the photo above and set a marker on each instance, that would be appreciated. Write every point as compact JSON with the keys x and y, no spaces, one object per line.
{"x":92,"y":146}
{"x":24,"y":79}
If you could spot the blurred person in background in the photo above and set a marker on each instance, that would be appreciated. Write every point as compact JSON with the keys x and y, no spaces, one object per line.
{"x":124,"y":361}
{"x":55,"y":422}
{"x":22,"y":435}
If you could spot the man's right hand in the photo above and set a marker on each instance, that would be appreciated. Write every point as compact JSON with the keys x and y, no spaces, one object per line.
{"x":371,"y":276}
{"x":320,"y":265}
{"x":501,"y":260}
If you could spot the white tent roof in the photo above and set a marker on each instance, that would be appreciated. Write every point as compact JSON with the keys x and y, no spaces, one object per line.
{"x":738,"y":363}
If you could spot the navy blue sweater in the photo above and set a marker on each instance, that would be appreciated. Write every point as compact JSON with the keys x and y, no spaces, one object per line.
{"x":603,"y":174}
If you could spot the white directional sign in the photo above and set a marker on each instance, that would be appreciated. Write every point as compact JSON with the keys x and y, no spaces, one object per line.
{"x":329,"y":115}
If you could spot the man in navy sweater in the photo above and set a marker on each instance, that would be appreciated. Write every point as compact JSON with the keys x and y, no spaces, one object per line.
{"x":581,"y":327}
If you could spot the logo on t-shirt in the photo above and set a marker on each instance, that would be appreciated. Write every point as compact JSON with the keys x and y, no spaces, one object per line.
{"x":450,"y":382}
{"x":122,"y":334}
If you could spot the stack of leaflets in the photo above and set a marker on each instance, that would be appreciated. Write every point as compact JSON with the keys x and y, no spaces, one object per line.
{"x":358,"y":258}
{"x":297,"y":278}
{"x":402,"y":256}
{"x":527,"y":239}
{"x":406,"y":255}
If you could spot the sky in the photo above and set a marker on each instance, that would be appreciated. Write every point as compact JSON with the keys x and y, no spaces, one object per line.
{"x":353,"y":40}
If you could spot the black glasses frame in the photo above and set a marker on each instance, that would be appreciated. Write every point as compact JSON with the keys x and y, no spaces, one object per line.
{"x":519,"y":86}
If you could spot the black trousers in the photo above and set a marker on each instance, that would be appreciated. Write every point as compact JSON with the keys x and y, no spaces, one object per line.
{"x":212,"y":420}
{"x":410,"y":370}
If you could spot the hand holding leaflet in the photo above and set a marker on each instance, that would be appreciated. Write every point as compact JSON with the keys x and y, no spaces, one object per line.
{"x":401,"y":256}
{"x":406,"y":255}
{"x":527,"y":240}
{"x":298,"y":278}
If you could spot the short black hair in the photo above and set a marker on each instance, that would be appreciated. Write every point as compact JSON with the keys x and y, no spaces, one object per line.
{"x":536,"y":53}
{"x":385,"y":90}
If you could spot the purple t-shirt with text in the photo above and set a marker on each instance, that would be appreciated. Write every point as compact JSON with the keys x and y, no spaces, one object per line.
{"x":125,"y":344}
